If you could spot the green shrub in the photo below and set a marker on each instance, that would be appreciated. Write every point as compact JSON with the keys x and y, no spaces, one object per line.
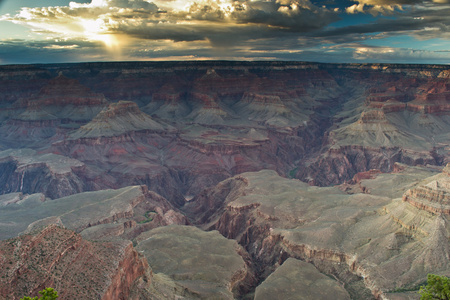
{"x":438,"y":287}
{"x":47,"y":294}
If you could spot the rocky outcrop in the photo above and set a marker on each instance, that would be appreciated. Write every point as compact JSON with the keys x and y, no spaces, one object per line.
{"x":432,"y":98}
{"x":207,"y":111}
{"x":118,"y":119}
{"x":130,"y":269}
{"x":206,"y":264}
{"x":47,"y":116}
{"x":168,"y":105}
{"x":432,"y":195}
{"x":122,"y":213}
{"x":341,"y":164}
{"x":59,"y":258}
{"x":28,"y":172}
{"x":299,"y":279}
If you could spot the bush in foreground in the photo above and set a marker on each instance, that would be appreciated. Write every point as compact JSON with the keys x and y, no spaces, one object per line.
{"x":438,"y":287}
{"x":47,"y":294}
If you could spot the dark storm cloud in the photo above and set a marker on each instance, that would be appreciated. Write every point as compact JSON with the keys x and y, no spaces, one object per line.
{"x":388,"y":7}
{"x":419,"y":23}
{"x":298,"y":16}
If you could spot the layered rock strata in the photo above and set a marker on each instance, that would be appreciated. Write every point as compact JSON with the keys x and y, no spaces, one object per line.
{"x":433,"y":195}
{"x":29,"y":172}
{"x":123,"y":213}
{"x":275,"y":218}
{"x":118,"y":119}
{"x":59,"y":258}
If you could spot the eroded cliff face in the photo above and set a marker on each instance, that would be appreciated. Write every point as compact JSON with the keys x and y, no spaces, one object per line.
{"x":275,"y":218}
{"x":205,"y":264}
{"x":105,"y":214}
{"x":28,"y":172}
{"x":386,"y":119}
{"x":76,"y":268}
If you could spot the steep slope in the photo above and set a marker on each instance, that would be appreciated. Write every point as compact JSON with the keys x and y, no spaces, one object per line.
{"x":102,"y":214}
{"x":297,"y":279}
{"x":276,"y":218}
{"x":45,"y":117}
{"x":60,"y":258}
{"x":382,"y":124}
{"x":62,"y":98}
{"x":432,"y":194}
{"x":118,"y":119}
{"x":29,"y":172}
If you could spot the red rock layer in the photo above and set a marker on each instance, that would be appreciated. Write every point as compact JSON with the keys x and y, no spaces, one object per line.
{"x":207,"y":101}
{"x":372,"y":116}
{"x":263,"y":100}
{"x":63,"y":91}
{"x":341,"y":164}
{"x":77,"y":269}
{"x":168,"y":98}
{"x":364,"y":175}
{"x":433,"y":197}
{"x":425,"y":96}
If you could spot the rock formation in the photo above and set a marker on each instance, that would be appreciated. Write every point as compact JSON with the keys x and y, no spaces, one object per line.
{"x":205,"y":264}
{"x":76,"y":268}
{"x":118,"y":119}
{"x":297,"y":279}
{"x":60,"y":105}
{"x":433,"y":194}
{"x":29,"y":172}
{"x":101,"y":214}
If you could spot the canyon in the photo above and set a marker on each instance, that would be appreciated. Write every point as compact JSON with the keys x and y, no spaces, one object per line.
{"x":224,"y":180}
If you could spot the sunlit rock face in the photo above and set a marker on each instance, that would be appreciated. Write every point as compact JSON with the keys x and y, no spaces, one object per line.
{"x":332,"y":165}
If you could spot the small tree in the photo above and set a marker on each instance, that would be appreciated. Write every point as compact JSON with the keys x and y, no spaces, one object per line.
{"x":47,"y":294}
{"x":438,"y":287}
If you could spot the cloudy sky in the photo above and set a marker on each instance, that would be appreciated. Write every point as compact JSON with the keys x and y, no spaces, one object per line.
{"x":393,"y":31}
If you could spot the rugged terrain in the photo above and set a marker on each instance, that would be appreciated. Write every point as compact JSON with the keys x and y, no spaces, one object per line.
{"x":328,"y":171}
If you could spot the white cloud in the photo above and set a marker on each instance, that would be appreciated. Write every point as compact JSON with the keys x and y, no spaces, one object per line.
{"x":355,"y":8}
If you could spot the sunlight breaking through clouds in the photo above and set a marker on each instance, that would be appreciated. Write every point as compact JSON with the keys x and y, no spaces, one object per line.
{"x":207,"y":28}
